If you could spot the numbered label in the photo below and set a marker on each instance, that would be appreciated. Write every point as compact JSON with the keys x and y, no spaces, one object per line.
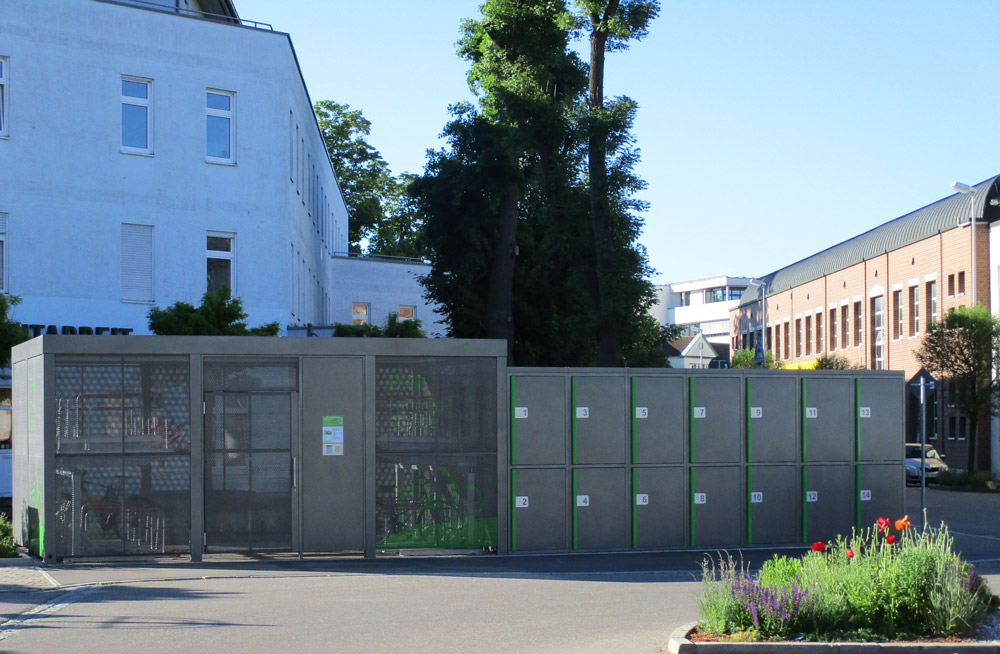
{"x":866,"y":495}
{"x":520,"y":412}
{"x":583,"y":500}
{"x":865,"y":412}
{"x":756,"y":412}
{"x":812,"y":412}
{"x":642,"y":499}
{"x":521,"y":501}
{"x":812,"y":496}
{"x":700,"y":498}
{"x":582,"y":412}
{"x":699,"y":412}
{"x":756,"y":497}
{"x":641,"y":412}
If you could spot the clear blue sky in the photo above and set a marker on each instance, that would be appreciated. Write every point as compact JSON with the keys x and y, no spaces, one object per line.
{"x":769,"y":129}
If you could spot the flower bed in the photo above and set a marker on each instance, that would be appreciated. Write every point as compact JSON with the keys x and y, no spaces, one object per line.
{"x":888,"y":582}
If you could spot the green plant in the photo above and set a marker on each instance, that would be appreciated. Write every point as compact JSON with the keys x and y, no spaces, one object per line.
{"x":219,"y":314}
{"x":878,"y":584}
{"x":394,"y":328}
{"x":7,"y":549}
{"x":835,"y":362}
{"x":983,"y":480}
{"x":744,"y":358}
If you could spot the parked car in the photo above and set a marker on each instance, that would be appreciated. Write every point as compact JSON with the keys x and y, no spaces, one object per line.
{"x":933,"y":463}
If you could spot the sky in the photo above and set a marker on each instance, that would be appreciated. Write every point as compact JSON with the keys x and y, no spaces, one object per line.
{"x":769,"y":129}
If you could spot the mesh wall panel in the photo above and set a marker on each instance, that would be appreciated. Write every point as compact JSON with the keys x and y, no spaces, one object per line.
{"x":88,"y":408}
{"x":250,"y":375}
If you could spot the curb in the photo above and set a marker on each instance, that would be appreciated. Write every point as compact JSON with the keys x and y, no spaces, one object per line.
{"x":679,"y":644}
{"x":22,"y":560}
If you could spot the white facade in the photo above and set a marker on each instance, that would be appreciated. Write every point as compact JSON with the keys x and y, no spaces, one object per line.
{"x":140,"y":147}
{"x":701,"y":303}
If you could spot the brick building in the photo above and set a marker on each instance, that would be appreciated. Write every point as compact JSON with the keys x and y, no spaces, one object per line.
{"x":870,"y":299}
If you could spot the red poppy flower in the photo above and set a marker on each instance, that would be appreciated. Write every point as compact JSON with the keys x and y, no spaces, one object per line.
{"x":883,"y":524}
{"x":850,"y":553}
{"x":818,"y":547}
{"x":890,"y":539}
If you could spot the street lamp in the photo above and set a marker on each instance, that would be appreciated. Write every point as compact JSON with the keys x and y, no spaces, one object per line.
{"x":763,"y":314}
{"x":965,"y":189}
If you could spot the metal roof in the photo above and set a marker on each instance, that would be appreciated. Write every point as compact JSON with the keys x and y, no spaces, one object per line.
{"x":947,"y":213}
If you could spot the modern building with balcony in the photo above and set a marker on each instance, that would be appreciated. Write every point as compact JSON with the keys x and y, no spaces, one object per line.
{"x":700,"y":305}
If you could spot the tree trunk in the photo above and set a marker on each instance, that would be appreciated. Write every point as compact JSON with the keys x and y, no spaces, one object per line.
{"x":973,"y":458}
{"x":609,"y":347}
{"x":500,"y":297}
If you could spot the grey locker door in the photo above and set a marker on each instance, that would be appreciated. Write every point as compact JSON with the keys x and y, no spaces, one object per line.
{"x":716,"y":506}
{"x":599,"y":505}
{"x":826,"y":410}
{"x":827,"y":502}
{"x":658,"y":420}
{"x":880,"y":433}
{"x":879,"y":492}
{"x":772,"y":420}
{"x":332,"y":478}
{"x":538,"y":424}
{"x":714,"y":427}
{"x":773,"y":512}
{"x":598,"y":415}
{"x":538,"y":511}
{"x":658,"y":507}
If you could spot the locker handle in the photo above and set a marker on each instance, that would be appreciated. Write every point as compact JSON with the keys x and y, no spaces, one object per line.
{"x":295,"y":482}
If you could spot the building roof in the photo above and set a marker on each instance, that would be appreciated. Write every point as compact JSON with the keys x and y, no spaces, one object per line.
{"x":935,"y":218}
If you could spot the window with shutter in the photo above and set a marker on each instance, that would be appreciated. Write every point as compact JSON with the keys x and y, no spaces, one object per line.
{"x":137,"y":263}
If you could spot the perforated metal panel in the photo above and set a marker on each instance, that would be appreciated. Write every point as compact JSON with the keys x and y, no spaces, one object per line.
{"x":773,"y":513}
{"x":538,"y":426}
{"x":827,"y":501}
{"x":599,"y":506}
{"x":772,"y":419}
{"x":716,"y":497}
{"x":598,"y":419}
{"x":539,"y":510}
{"x":826,"y":413}
{"x":658,"y":507}
{"x":658,"y":419}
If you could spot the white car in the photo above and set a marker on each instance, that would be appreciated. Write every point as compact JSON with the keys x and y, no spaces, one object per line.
{"x":933,"y":463}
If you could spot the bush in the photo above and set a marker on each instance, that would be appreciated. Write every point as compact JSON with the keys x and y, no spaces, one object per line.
{"x":983,"y":480}
{"x":7,"y":549}
{"x":875,"y":585}
{"x":394,"y":328}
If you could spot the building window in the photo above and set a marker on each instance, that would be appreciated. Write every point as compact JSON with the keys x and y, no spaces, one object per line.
{"x":951,"y":427}
{"x":809,"y":335}
{"x":819,"y":333}
{"x":961,"y":282}
{"x":686,"y":299}
{"x":359,"y":313}
{"x":833,"y":329}
{"x":914,"y":299}
{"x":878,"y":334}
{"x":407,"y":312}
{"x":220,"y":126}
{"x":932,"y":305}
{"x":897,"y":314}
{"x":798,"y":337}
{"x":859,"y":324}
{"x":219,"y":255}
{"x":951,"y":285}
{"x":715,"y":295}
{"x":785,"y":341}
{"x":3,"y":96}
{"x":962,"y":427}
{"x":137,"y":120}
{"x":736,"y":293}
{"x":845,"y":326}
{"x":137,"y":263}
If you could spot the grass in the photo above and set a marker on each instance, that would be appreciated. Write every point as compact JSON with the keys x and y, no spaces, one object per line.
{"x":877,"y":585}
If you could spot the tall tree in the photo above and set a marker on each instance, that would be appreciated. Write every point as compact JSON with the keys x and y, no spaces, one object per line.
{"x":612,"y":24}
{"x":964,"y":349}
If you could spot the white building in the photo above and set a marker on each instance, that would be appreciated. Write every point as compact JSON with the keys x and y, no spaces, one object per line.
{"x":702,"y":304}
{"x":150,"y":151}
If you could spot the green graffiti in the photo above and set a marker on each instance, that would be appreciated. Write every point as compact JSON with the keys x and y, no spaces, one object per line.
{"x":444,"y":514}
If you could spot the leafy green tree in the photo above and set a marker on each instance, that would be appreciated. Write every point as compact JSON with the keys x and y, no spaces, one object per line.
{"x":379,"y":209}
{"x":746,"y":358}
{"x":219,"y":314}
{"x":11,"y":331}
{"x":964,"y":349}
{"x":835,"y":362}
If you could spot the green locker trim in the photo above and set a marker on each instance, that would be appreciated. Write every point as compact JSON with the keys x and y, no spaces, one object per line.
{"x":635,"y":514}
{"x":857,"y":497}
{"x":632,"y":400}
{"x":749,"y":456}
{"x":513,"y":509}
{"x":574,"y":511}
{"x":572,"y":402}
{"x":691,"y":420}
{"x":691,"y":506}
{"x":749,"y":503}
{"x":857,"y":419}
{"x":513,"y":421}
{"x":805,"y":505}
{"x":803,"y":418}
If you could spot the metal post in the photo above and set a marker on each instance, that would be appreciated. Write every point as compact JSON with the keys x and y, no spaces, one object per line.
{"x":923,"y":447}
